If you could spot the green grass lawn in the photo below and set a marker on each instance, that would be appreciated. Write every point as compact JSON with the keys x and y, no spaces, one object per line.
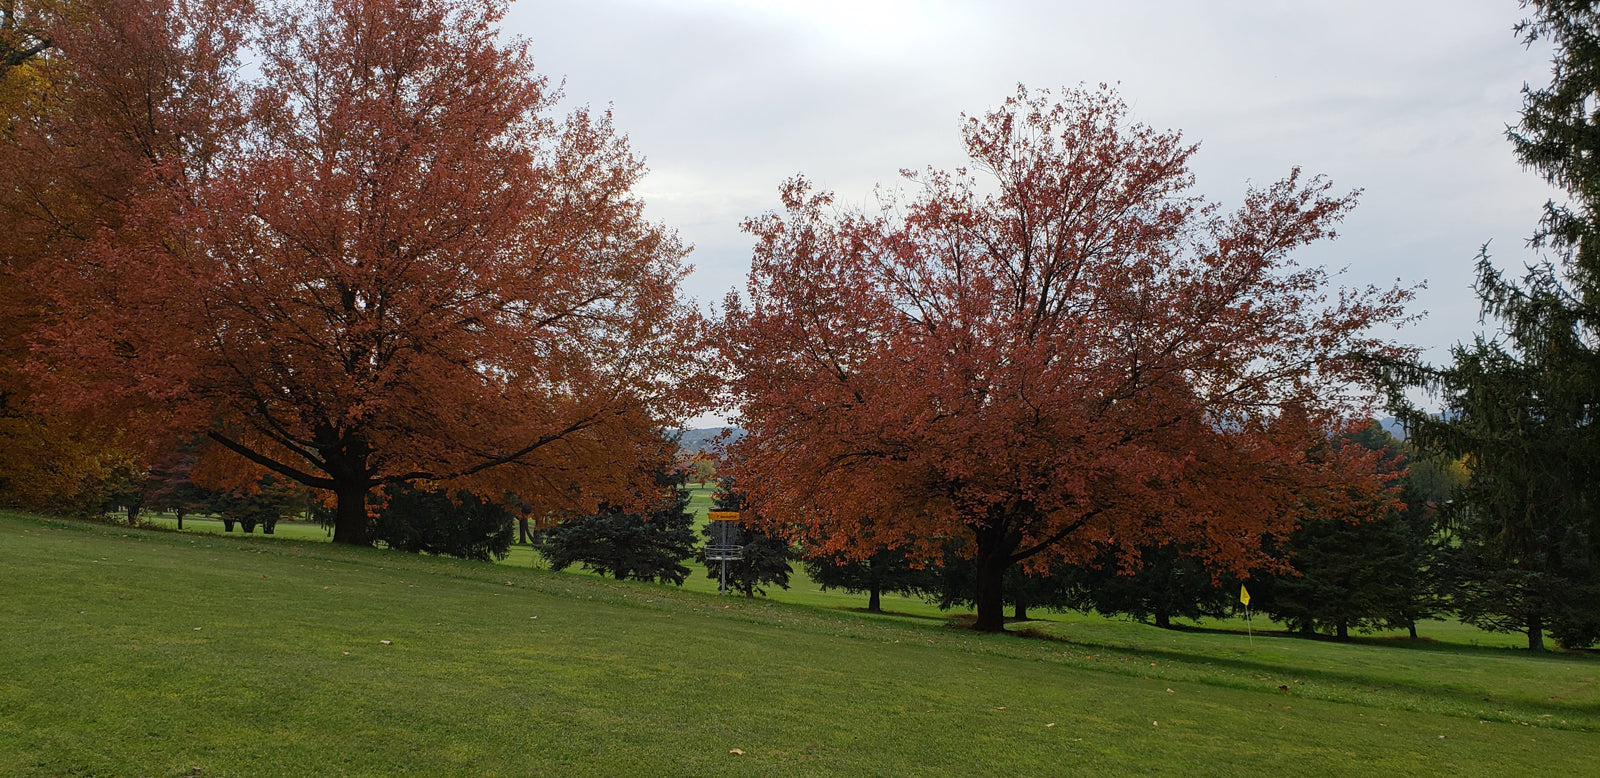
{"x":138,"y":652}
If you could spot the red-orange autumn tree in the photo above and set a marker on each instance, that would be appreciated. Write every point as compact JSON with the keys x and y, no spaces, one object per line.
{"x":379,"y":261}
{"x":1061,"y":350}
{"x":98,"y":97}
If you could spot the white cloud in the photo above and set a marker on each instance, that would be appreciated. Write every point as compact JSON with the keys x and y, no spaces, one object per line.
{"x":1407,"y":101}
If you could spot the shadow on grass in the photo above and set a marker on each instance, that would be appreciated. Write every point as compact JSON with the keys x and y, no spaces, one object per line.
{"x":891,"y":614}
{"x":1251,"y":670}
{"x":1403,"y":643}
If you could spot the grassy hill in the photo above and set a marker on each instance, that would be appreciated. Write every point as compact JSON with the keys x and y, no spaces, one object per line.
{"x":136,"y":652}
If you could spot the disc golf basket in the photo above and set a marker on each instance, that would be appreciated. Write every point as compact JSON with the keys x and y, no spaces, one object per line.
{"x":724,"y":545}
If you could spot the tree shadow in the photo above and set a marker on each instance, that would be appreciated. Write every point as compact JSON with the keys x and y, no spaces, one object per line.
{"x":1277,"y":671}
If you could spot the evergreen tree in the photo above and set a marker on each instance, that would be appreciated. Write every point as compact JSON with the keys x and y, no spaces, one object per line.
{"x":955,"y":584}
{"x":766,"y":557}
{"x":1520,"y":407}
{"x":1376,"y":573}
{"x":644,"y":546}
{"x":888,"y":570}
{"x":1167,"y":582}
{"x":262,"y":503}
{"x":458,"y":524}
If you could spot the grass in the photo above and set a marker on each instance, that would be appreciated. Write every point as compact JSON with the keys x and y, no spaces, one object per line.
{"x":137,"y":652}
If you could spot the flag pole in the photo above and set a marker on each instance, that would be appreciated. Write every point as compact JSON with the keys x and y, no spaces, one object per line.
{"x":1244,"y":597}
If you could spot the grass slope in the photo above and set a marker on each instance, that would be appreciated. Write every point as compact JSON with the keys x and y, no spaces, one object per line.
{"x":132,"y":652}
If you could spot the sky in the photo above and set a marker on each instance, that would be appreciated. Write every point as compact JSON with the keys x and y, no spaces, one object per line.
{"x":1406,"y":100}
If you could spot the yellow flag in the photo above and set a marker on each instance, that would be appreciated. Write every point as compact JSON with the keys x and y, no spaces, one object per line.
{"x":1244,"y":595}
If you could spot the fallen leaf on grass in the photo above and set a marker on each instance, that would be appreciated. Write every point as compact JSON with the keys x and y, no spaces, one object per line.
{"x":1051,"y":724}
{"x":1169,"y":691}
{"x":386,"y":642}
{"x":736,"y":751}
{"x":196,"y":629}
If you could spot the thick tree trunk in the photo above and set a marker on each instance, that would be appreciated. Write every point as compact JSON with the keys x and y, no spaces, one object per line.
{"x":1342,"y":631}
{"x":180,"y":519}
{"x":994,"y":558}
{"x":1412,"y":627}
{"x":1535,"y":633}
{"x":1019,"y":610}
{"x":227,"y":525}
{"x":133,"y":515}
{"x":524,"y":535}
{"x":1163,"y":617}
{"x":350,"y":515}
{"x":875,"y":598}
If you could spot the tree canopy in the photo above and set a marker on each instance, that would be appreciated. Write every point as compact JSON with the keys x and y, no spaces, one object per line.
{"x":371,"y":258}
{"x":1058,"y":349}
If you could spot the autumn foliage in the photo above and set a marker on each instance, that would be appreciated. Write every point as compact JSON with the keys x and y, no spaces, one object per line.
{"x":370,"y":257}
{"x":1059,"y":351}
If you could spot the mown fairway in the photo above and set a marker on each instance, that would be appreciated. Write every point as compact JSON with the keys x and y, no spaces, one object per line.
{"x":128,"y":652}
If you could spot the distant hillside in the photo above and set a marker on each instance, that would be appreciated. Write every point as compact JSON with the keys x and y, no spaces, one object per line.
{"x":696,"y":441}
{"x":1391,"y":426}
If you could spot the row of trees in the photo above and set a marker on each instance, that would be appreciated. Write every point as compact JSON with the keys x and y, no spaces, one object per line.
{"x":370,"y":261}
{"x":373,"y":264}
{"x":1388,"y":570}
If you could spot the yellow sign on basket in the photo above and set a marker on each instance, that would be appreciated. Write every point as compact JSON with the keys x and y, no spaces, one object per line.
{"x":722,"y":515}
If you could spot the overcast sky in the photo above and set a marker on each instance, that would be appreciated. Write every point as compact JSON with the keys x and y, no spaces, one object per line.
{"x":1405,"y":100}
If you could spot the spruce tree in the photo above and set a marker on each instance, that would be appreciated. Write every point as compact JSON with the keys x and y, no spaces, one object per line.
{"x":1165,"y":582}
{"x":458,"y":524}
{"x":1520,"y":406}
{"x":645,"y":545}
{"x":888,"y":571}
{"x":1378,"y":573}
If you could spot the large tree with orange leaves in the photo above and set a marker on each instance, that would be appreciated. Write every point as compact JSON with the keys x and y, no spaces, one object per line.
{"x":1060,"y":351}
{"x":99,"y":98}
{"x":371,"y":258}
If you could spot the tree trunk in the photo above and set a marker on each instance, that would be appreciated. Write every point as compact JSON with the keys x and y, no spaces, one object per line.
{"x":1411,"y":625}
{"x":227,"y":524}
{"x":1163,"y":617}
{"x":524,"y":535}
{"x":350,"y":514}
{"x":1342,"y":631}
{"x":180,"y":518}
{"x":875,"y":598}
{"x":993,"y":559}
{"x":1019,"y":610}
{"x":133,"y":515}
{"x":1535,"y":633}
